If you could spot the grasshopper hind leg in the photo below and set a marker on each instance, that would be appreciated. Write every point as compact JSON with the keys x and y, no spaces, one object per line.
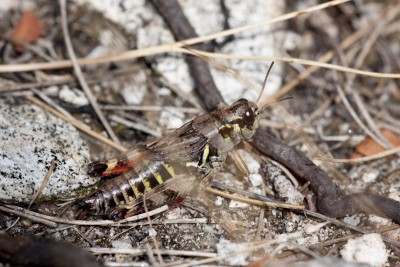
{"x":117,"y":213}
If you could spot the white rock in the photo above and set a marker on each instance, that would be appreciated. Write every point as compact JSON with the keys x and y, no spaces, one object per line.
{"x":218,"y":201}
{"x":134,"y":89}
{"x":370,"y":176}
{"x":353,"y":220}
{"x":237,"y":204}
{"x":225,"y":247}
{"x":175,"y":71}
{"x":152,"y":232}
{"x":379,"y":220}
{"x":171,"y":119}
{"x":110,"y":44}
{"x":121,"y":244}
{"x":254,"y":167}
{"x":324,"y":262}
{"x":252,"y":164}
{"x":255,"y":179}
{"x":285,"y":189}
{"x":29,"y":139}
{"x":140,"y":20}
{"x":173,"y":214}
{"x":368,"y":249}
{"x":73,"y":96}
{"x":52,"y":90}
{"x":12,"y":4}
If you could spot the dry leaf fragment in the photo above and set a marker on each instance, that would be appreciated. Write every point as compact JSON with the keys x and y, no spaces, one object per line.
{"x":369,"y":147}
{"x":27,"y":30}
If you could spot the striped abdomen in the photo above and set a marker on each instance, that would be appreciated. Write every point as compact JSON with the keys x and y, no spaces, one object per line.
{"x":129,"y":187}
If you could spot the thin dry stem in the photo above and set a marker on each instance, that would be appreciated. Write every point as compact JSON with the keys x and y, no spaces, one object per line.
{"x":254,"y":201}
{"x":380,"y":155}
{"x":44,"y":182}
{"x":81,"y":126}
{"x":294,"y":60}
{"x":174,"y":47}
{"x":79,"y":74}
{"x":52,"y":221}
{"x":159,"y":257}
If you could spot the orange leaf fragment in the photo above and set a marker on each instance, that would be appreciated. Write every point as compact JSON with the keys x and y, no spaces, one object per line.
{"x":27,"y":30}
{"x":369,"y":147}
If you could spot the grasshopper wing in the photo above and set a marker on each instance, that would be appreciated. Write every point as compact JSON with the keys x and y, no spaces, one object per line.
{"x":182,"y":145}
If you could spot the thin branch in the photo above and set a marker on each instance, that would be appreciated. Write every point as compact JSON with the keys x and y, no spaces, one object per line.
{"x":79,"y":74}
{"x":141,"y":251}
{"x":50,"y":102}
{"x":134,"y":125}
{"x":81,"y":126}
{"x":255,"y":201}
{"x":28,"y":216}
{"x":159,"y":257}
{"x":354,"y":114}
{"x":150,"y":108}
{"x":51,"y":220}
{"x":132,"y":54}
{"x":292,"y":60}
{"x":376,"y":156}
{"x":44,"y":182}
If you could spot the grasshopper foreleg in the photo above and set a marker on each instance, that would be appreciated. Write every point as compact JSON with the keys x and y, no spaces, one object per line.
{"x":207,"y":162}
{"x":239,"y":162}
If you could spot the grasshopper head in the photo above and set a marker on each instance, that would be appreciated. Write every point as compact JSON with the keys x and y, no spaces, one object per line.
{"x":247,"y":117}
{"x":248,"y":113}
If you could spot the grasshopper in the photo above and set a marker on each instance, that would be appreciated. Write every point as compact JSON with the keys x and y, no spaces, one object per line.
{"x":166,"y":170}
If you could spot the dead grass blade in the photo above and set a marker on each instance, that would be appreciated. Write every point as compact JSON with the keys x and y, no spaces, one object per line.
{"x":174,"y":47}
{"x":81,"y":126}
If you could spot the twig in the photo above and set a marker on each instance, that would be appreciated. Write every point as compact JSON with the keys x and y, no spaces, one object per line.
{"x":349,"y":226}
{"x":150,"y":255}
{"x":44,"y":183}
{"x":376,"y":156}
{"x":81,"y":126}
{"x":84,"y":236}
{"x":79,"y":73}
{"x":141,"y":251}
{"x":174,"y":18}
{"x":349,"y":86}
{"x":134,"y":125}
{"x":232,"y":189}
{"x":36,"y":195}
{"x":50,"y":102}
{"x":254,"y":201}
{"x":293,"y":60}
{"x":132,"y":54}
{"x":63,"y":79}
{"x":287,"y":172}
{"x":330,"y":200}
{"x":150,"y":108}
{"x":160,"y":260}
{"x":28,"y":216}
{"x":392,"y":14}
{"x":385,"y":116}
{"x":345,"y":238}
{"x":354,"y":114}
{"x":251,"y":246}
{"x":261,"y":216}
{"x":126,"y":264}
{"x":177,"y":221}
{"x":332,"y":220}
{"x":34,"y":216}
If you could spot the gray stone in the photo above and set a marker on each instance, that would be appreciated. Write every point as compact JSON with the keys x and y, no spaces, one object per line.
{"x":29,"y":139}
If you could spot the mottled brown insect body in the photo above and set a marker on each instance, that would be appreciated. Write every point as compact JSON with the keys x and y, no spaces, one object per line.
{"x":166,"y":170}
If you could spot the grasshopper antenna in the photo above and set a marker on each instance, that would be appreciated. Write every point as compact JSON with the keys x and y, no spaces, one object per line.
{"x":276,"y":101}
{"x":265,"y":82}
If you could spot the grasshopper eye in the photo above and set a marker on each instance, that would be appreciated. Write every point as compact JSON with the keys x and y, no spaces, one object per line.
{"x":248,"y":116}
